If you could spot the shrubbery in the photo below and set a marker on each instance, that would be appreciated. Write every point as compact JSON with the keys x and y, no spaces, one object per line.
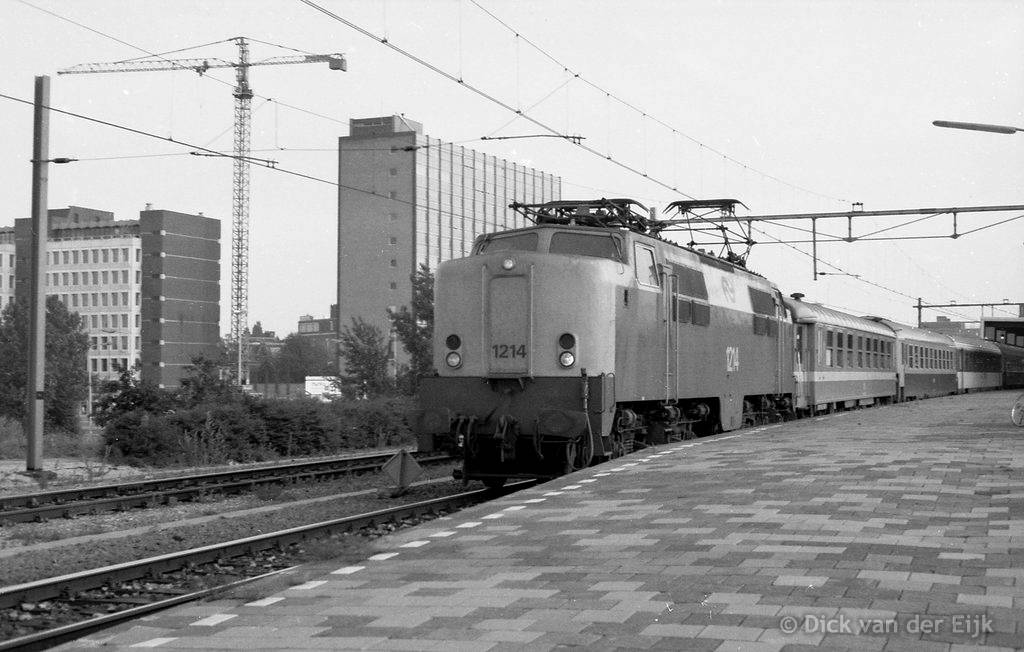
{"x":210,"y":422}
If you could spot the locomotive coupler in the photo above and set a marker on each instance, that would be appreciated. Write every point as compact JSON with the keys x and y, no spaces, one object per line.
{"x":505,"y":432}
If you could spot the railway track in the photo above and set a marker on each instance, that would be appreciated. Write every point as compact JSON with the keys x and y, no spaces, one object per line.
{"x":114,"y":497}
{"x":70,"y":606}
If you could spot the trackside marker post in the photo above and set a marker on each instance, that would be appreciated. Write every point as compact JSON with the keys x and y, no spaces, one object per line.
{"x":403,"y":470}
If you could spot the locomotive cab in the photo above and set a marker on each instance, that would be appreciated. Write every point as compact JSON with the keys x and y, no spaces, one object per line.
{"x":524,"y":348}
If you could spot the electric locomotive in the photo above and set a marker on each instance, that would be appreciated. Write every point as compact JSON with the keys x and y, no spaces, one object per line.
{"x":579,"y":338}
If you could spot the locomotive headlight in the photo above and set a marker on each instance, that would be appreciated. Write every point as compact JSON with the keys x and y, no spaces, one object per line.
{"x":453,"y":360}
{"x":508,"y":264}
{"x":567,"y":359}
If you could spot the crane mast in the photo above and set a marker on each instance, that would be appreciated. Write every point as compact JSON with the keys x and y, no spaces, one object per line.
{"x":243,"y":94}
{"x":240,"y":211}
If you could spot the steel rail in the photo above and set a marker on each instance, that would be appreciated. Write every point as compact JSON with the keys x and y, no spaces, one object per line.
{"x":55,"y":587}
{"x":46,"y":639}
{"x":112,"y":497}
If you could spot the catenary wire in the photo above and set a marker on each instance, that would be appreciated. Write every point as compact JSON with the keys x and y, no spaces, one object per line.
{"x":480,"y":92}
{"x":152,"y":54}
{"x":643,"y":113}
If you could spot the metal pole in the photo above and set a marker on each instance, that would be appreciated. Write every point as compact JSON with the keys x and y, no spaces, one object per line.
{"x":919,"y":306}
{"x":37,"y":291}
{"x":814,"y":246}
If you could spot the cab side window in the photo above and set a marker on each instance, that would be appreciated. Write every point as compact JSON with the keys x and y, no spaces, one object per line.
{"x":646,"y":266}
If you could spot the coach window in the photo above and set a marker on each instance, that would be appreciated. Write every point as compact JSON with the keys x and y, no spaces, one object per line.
{"x":646,"y":266}
{"x":829,"y":355}
{"x":860,"y":351}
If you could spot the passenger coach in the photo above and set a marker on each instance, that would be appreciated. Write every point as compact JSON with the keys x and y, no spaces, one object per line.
{"x":841,"y":361}
{"x":978,"y":364}
{"x":924,"y":362}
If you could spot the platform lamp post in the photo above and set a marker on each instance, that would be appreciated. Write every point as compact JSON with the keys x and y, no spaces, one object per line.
{"x":977,"y":126}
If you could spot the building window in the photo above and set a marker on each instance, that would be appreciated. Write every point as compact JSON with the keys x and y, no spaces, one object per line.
{"x":74,"y":278}
{"x":92,"y":343}
{"x":64,"y":257}
{"x":114,"y":255}
{"x":113,"y":298}
{"x":124,"y":276}
{"x":138,"y":276}
{"x":124,"y":300}
{"x":124,"y":320}
{"x":103,"y":364}
{"x":394,"y":286}
{"x":95,"y":255}
{"x":106,"y":255}
{"x":124,"y":254}
{"x":95,"y":278}
{"x":74,"y":257}
{"x":138,"y":299}
{"x":74,"y":300}
{"x":95,"y":321}
{"x":104,"y":323}
{"x":94,"y":364}
{"x":136,"y":326}
{"x":105,"y":276}
{"x":103,"y":298}
{"x":138,"y":255}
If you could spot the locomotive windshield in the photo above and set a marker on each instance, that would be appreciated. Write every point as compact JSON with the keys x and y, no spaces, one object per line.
{"x":513,"y":242}
{"x":598,"y":245}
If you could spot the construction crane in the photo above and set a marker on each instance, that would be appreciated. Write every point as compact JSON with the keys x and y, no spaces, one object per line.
{"x":240,"y":188}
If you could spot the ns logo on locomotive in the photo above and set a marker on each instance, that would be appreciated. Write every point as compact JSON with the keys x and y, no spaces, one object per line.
{"x":587,"y":335}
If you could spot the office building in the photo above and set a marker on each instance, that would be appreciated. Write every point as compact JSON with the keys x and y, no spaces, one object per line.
{"x":134,"y":282}
{"x":7,"y":256}
{"x":407,"y":199}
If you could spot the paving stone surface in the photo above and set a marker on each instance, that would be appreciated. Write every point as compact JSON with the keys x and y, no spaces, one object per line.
{"x":897,"y":528}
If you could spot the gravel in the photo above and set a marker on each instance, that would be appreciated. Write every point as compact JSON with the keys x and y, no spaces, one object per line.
{"x":32,"y":551}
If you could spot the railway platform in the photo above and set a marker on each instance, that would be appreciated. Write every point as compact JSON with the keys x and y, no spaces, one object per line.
{"x":892,"y":528}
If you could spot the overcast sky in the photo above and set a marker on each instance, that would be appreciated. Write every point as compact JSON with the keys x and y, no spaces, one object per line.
{"x":815,"y":105}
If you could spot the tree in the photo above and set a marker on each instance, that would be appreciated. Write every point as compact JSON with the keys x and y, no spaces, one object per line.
{"x":415,"y":326}
{"x":365,"y":351}
{"x":302,"y":356}
{"x":67,"y":380}
{"x":205,"y":383}
{"x":128,"y":393}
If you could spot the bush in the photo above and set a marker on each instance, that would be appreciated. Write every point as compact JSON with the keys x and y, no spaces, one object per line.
{"x":253,"y":430}
{"x":376,"y":422}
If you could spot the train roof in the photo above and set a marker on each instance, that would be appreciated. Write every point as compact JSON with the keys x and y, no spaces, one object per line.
{"x":706,"y":258}
{"x":815,"y":313}
{"x":972,"y":343}
{"x":904,"y":331}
